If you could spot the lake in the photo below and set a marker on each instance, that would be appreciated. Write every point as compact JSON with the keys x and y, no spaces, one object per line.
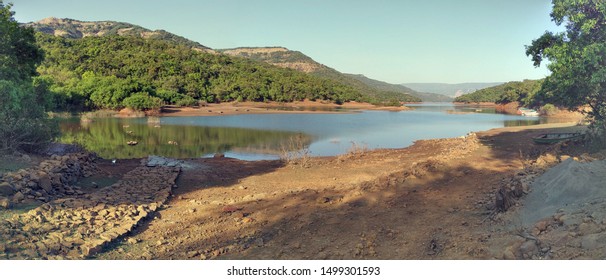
{"x":267,"y":136}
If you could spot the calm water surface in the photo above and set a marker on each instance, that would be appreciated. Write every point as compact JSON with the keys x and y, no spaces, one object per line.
{"x":266,"y":136}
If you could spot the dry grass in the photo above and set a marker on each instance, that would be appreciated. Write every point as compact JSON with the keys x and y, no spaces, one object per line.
{"x":295,"y":151}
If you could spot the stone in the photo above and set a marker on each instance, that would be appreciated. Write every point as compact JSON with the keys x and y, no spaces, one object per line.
{"x":508,"y":254}
{"x":5,"y":203}
{"x":6,"y":189}
{"x":192,"y":254}
{"x":132,"y":241}
{"x":259,"y":242}
{"x":528,"y":249}
{"x":45,"y":183}
{"x":92,"y":248}
{"x":590,"y":242}
{"x":18,"y":197}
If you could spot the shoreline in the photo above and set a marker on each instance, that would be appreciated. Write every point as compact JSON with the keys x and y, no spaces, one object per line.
{"x":296,"y":107}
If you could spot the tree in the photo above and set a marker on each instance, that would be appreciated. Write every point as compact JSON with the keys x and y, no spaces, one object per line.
{"x":577,"y":58}
{"x":19,"y":55}
{"x":23,"y":122}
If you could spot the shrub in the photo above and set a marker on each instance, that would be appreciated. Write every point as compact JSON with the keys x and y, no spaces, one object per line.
{"x":142,"y":101}
{"x":549,"y":109}
{"x":187,"y":101}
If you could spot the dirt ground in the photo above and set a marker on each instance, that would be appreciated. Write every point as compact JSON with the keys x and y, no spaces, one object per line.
{"x":433,"y":200}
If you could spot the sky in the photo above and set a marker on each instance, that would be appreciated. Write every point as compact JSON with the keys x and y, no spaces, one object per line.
{"x":397,"y":41}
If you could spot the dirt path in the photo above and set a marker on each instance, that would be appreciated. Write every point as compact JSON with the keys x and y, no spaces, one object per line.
{"x":434,"y":200}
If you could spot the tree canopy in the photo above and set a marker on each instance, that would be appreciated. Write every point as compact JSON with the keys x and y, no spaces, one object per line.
{"x":104,"y":72}
{"x":523,"y":92}
{"x":23,"y":122}
{"x":576,"y":57}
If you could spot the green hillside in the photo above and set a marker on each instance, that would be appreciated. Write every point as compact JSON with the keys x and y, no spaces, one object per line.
{"x":130,"y":71}
{"x":522,"y":92}
{"x":296,"y":60}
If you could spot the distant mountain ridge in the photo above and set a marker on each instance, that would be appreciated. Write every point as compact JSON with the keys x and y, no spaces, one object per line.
{"x":452,"y":90}
{"x":75,"y":29}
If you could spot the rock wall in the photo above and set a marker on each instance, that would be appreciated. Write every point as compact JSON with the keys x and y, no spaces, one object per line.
{"x":71,"y":224}
{"x":81,"y":226}
{"x":53,"y":178}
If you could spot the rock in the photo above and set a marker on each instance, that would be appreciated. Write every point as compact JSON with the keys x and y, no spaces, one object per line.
{"x":132,"y":241}
{"x":6,"y":189}
{"x":5,"y":203}
{"x":528,"y":249}
{"x":591,"y":242}
{"x":18,"y":197}
{"x":259,"y":242}
{"x":92,"y":248}
{"x":540,"y":227}
{"x":45,"y":183}
{"x":219,"y":155}
{"x":192,"y":254}
{"x":508,"y":254}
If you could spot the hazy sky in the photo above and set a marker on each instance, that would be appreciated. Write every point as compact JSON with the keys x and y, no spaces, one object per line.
{"x":396,"y":41}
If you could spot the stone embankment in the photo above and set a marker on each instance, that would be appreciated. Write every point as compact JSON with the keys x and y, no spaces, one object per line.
{"x":80,"y":225}
{"x":53,"y":178}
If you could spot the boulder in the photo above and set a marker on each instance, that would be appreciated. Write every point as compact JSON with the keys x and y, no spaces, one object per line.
{"x":6,"y":189}
{"x":18,"y":197}
{"x":5,"y":203}
{"x":45,"y":183}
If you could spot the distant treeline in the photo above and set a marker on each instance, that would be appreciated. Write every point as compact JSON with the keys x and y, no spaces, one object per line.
{"x":524,"y":92}
{"x":113,"y":72}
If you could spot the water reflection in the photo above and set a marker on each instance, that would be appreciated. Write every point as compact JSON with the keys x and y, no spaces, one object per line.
{"x":109,"y":138}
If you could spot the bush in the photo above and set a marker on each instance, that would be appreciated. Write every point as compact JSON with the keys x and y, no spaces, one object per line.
{"x":142,"y":101}
{"x":24,"y":126}
{"x":187,"y":101}
{"x":549,"y":109}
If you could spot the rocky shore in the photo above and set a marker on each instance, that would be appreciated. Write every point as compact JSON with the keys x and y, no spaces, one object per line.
{"x":72,"y":224}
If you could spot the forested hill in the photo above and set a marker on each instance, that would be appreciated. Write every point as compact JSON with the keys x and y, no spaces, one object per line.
{"x":130,"y":71}
{"x":296,"y":60}
{"x":523,"y":92}
{"x":75,"y":29}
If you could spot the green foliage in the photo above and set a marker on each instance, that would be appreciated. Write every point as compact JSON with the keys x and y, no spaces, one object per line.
{"x":548,"y":109}
{"x":23,"y":123}
{"x":373,"y":91}
{"x":19,"y":55}
{"x":101,"y":72}
{"x":142,"y":101}
{"x":522,"y":92}
{"x":576,"y":57}
{"x":188,"y":101}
